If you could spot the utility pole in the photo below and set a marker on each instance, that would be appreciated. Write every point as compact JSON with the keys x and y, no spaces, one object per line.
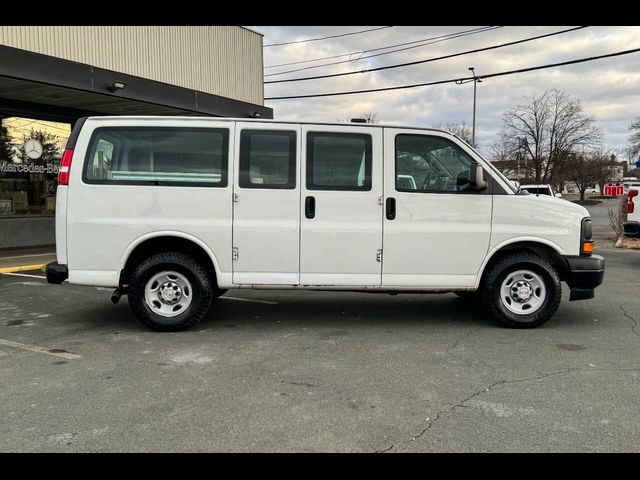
{"x":475,"y":81}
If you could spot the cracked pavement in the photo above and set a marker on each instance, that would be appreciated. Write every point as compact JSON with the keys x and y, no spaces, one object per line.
{"x":320,"y":372}
{"x":633,"y":320}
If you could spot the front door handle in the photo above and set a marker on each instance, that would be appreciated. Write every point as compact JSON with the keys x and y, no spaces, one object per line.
{"x":310,"y":207}
{"x":391,"y":208}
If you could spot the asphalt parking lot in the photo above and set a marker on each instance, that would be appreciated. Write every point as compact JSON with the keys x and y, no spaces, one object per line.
{"x":313,"y":371}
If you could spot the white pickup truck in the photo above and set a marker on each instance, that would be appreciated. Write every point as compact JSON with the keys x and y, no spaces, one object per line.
{"x":173,"y":211}
{"x":541,"y":189}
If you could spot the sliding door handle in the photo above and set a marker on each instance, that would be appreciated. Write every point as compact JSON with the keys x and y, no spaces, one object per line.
{"x":391,"y":208}
{"x":310,"y":207}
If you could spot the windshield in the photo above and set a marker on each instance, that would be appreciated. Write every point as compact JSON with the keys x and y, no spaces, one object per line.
{"x":507,"y":182}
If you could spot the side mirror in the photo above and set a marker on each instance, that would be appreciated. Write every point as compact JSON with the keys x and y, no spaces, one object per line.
{"x":558,"y":195}
{"x":479,"y":182}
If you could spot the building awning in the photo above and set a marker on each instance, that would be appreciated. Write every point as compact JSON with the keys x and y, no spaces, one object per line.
{"x":50,"y":88}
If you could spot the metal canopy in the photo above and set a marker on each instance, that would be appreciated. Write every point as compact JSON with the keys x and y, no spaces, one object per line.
{"x":51,"y":88}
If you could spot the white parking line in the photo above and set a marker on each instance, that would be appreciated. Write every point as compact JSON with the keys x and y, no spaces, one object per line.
{"x":29,"y":256}
{"x":248,"y":300}
{"x":23,"y":275}
{"x":33,"y":348}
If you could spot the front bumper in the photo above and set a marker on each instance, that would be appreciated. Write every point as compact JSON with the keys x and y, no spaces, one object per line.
{"x":584,"y":274}
{"x":56,"y":273}
{"x":631,"y":229}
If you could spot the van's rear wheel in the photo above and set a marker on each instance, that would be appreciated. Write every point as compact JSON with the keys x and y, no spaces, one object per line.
{"x":522,"y":290}
{"x":170,"y":292}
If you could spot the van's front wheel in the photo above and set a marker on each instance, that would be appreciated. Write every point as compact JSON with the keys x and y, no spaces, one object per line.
{"x":522,"y":290}
{"x":170,"y":292}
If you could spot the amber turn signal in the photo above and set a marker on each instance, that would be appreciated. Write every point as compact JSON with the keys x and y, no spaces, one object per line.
{"x":587,"y":247}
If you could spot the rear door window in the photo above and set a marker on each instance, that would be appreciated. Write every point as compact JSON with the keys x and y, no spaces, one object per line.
{"x":267,"y":159}
{"x":339,"y":161}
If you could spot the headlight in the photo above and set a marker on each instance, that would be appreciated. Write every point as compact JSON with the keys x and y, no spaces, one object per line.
{"x":586,"y":237}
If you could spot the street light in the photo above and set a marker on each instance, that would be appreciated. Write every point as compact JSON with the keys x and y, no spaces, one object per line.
{"x":475,"y":81}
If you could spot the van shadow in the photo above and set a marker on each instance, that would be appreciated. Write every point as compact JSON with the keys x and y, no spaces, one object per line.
{"x":338,"y":308}
{"x":298,"y":308}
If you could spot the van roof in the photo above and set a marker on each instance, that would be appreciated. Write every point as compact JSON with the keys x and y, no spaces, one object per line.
{"x":262,"y":120}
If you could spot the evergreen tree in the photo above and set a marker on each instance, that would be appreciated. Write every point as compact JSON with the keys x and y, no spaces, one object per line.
{"x":6,"y":148}
{"x":50,"y":150}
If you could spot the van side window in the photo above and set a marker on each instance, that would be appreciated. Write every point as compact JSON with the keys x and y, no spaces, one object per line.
{"x":267,"y":159}
{"x":158,"y":156}
{"x":431,"y":164}
{"x":338,"y":161}
{"x":100,"y":162}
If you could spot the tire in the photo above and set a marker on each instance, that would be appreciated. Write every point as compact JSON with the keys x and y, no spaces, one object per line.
{"x":522,"y":290}
{"x":170,"y":292}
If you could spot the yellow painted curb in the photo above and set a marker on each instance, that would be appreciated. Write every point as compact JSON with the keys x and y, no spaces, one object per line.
{"x":21,"y":268}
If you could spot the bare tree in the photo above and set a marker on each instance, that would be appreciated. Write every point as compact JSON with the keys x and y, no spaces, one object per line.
{"x":588,"y":169}
{"x":370,"y":117}
{"x":512,"y":162}
{"x":618,"y":216}
{"x":461,"y":129}
{"x":608,"y":171}
{"x":500,"y":152}
{"x":546,"y":130}
{"x":634,"y":139}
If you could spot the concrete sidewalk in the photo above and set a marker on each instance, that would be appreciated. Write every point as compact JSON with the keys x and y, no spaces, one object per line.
{"x":19,"y":259}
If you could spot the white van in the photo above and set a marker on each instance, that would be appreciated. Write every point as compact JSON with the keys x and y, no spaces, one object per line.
{"x":175,"y":211}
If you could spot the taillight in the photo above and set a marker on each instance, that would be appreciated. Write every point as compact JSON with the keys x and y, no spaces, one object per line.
{"x":65,"y":166}
{"x":630,"y":205}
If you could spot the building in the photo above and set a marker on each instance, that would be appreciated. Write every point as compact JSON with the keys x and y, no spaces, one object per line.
{"x":61,"y":73}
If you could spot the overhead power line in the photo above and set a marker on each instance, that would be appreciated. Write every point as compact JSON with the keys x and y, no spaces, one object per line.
{"x":15,"y":127}
{"x":461,"y":33}
{"x":482,"y":77}
{"x":30,"y":125}
{"x":325,"y":38}
{"x":42,"y":125}
{"x":45,"y":123}
{"x":449,"y":37}
{"x":529,"y":39}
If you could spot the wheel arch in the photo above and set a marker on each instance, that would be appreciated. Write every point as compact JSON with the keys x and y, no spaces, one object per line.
{"x":541,"y":247}
{"x":165,"y":241}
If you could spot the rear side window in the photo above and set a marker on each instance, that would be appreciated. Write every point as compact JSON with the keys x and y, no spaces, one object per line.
{"x":338,"y":161}
{"x":158,"y":156}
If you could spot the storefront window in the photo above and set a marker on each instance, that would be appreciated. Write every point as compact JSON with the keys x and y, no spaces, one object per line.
{"x":30,"y":152}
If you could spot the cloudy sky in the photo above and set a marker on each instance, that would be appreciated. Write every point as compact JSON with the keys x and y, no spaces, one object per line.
{"x":609,"y":89}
